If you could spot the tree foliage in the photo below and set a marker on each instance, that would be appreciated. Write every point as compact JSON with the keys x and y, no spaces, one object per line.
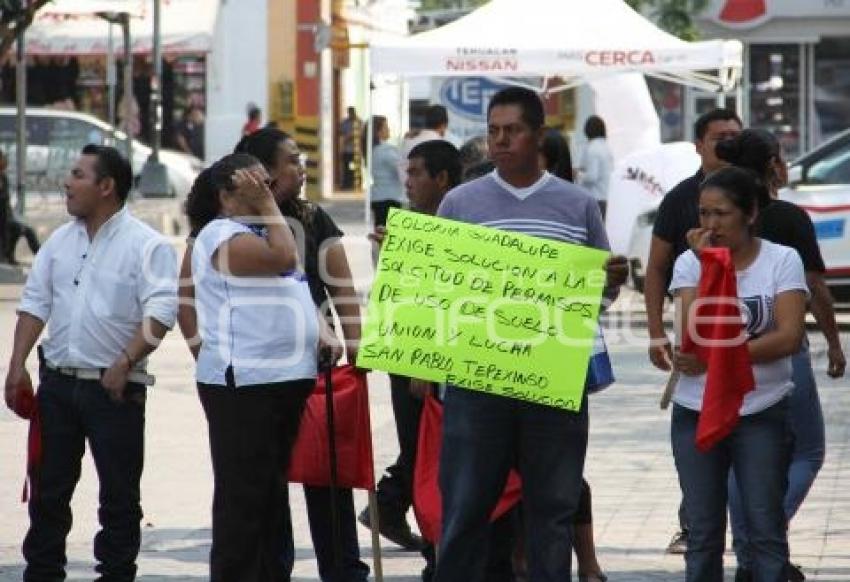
{"x":15,"y":17}
{"x":674,"y":16}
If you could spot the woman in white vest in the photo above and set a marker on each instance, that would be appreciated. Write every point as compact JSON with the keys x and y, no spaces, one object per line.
{"x":256,"y":364}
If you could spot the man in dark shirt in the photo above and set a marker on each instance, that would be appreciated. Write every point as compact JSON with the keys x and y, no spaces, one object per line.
{"x":677,"y":214}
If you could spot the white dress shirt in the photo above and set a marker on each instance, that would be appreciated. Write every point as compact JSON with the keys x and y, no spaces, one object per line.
{"x":93,"y":294}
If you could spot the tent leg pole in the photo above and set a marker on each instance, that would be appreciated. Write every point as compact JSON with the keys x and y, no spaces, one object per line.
{"x":376,"y":536}
{"x":367,"y":183}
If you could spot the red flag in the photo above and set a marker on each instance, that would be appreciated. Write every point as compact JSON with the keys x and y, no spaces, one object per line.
{"x":427,"y":501}
{"x":721,"y":345}
{"x":26,"y":406}
{"x":310,"y":458}
{"x":736,"y":11}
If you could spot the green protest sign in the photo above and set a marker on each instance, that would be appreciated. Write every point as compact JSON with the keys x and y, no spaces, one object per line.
{"x":484,"y":309}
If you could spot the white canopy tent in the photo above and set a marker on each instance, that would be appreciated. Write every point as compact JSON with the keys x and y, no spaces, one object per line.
{"x":66,"y":27}
{"x":565,"y":43}
{"x":574,"y":40}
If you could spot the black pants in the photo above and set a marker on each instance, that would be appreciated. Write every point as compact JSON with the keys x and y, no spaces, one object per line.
{"x":395,"y":489}
{"x":16,"y":230}
{"x":350,"y":567}
{"x":381,"y":209}
{"x":73,"y":411}
{"x":252,"y":431}
{"x":347,"y":158}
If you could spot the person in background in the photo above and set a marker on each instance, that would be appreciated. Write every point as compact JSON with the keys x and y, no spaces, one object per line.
{"x":784,"y":223}
{"x":596,"y":161}
{"x":436,"y":124}
{"x":349,"y":134}
{"x":677,"y":214}
{"x":12,"y":228}
{"x":105,"y":284}
{"x":473,"y":153}
{"x":386,"y":191}
{"x":255,"y":118}
{"x":556,"y":159}
{"x":434,"y":168}
{"x":190,"y":132}
{"x":772,"y":291}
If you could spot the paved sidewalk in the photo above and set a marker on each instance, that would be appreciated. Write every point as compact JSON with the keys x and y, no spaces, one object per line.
{"x":630,"y":469}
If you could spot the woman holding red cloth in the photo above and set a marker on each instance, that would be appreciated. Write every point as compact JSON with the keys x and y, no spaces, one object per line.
{"x":769,"y":284}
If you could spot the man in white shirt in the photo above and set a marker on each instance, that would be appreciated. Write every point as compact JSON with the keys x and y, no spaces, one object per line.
{"x":436,"y":124}
{"x":597,"y":162}
{"x":105,"y":284}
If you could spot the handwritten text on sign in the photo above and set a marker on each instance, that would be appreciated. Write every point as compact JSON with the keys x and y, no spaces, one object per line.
{"x":484,"y":309}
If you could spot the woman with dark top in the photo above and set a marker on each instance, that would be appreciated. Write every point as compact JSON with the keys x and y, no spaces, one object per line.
{"x":256,"y":359}
{"x":784,"y":223}
{"x":329,"y":278}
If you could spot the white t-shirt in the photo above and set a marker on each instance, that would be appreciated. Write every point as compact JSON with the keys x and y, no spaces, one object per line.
{"x":266,"y":327}
{"x":776,"y":269}
{"x":596,"y":166}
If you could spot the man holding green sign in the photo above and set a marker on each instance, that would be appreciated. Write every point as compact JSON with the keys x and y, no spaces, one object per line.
{"x":531,"y":302}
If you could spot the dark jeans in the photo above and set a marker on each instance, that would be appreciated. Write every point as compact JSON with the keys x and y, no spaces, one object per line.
{"x":758,"y":450}
{"x":347,"y":171}
{"x":381,"y":209}
{"x":395,"y":489}
{"x":805,"y":418}
{"x":252,"y":431}
{"x":72,"y":411}
{"x":483,"y":437}
{"x":350,"y":567}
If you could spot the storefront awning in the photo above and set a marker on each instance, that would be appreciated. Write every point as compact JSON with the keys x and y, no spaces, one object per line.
{"x":72,"y":27}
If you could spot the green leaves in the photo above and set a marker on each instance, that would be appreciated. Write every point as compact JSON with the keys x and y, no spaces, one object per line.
{"x":674,"y":16}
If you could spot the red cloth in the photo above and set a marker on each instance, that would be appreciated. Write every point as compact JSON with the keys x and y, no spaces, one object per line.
{"x":26,"y":406}
{"x":427,"y":501}
{"x":729,"y":374}
{"x":311,"y":456}
{"x":736,"y":11}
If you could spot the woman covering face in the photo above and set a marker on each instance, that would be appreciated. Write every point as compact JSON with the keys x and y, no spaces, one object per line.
{"x":772,"y":291}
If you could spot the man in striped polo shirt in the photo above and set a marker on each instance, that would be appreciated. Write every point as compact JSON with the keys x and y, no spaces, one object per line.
{"x":485,"y":435}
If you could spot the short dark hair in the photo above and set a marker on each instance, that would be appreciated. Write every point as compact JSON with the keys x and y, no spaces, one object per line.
{"x":473,"y":151}
{"x":556,"y":152}
{"x":436,"y":117}
{"x":202,"y":203}
{"x":529,"y":102}
{"x":262,"y":144}
{"x":439,"y":155}
{"x":743,"y":187}
{"x":701,"y":125}
{"x":594,"y":127}
{"x":109,"y":163}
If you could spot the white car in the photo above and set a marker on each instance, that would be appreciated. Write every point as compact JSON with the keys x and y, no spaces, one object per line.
{"x":819,"y":183}
{"x":55,"y":138}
